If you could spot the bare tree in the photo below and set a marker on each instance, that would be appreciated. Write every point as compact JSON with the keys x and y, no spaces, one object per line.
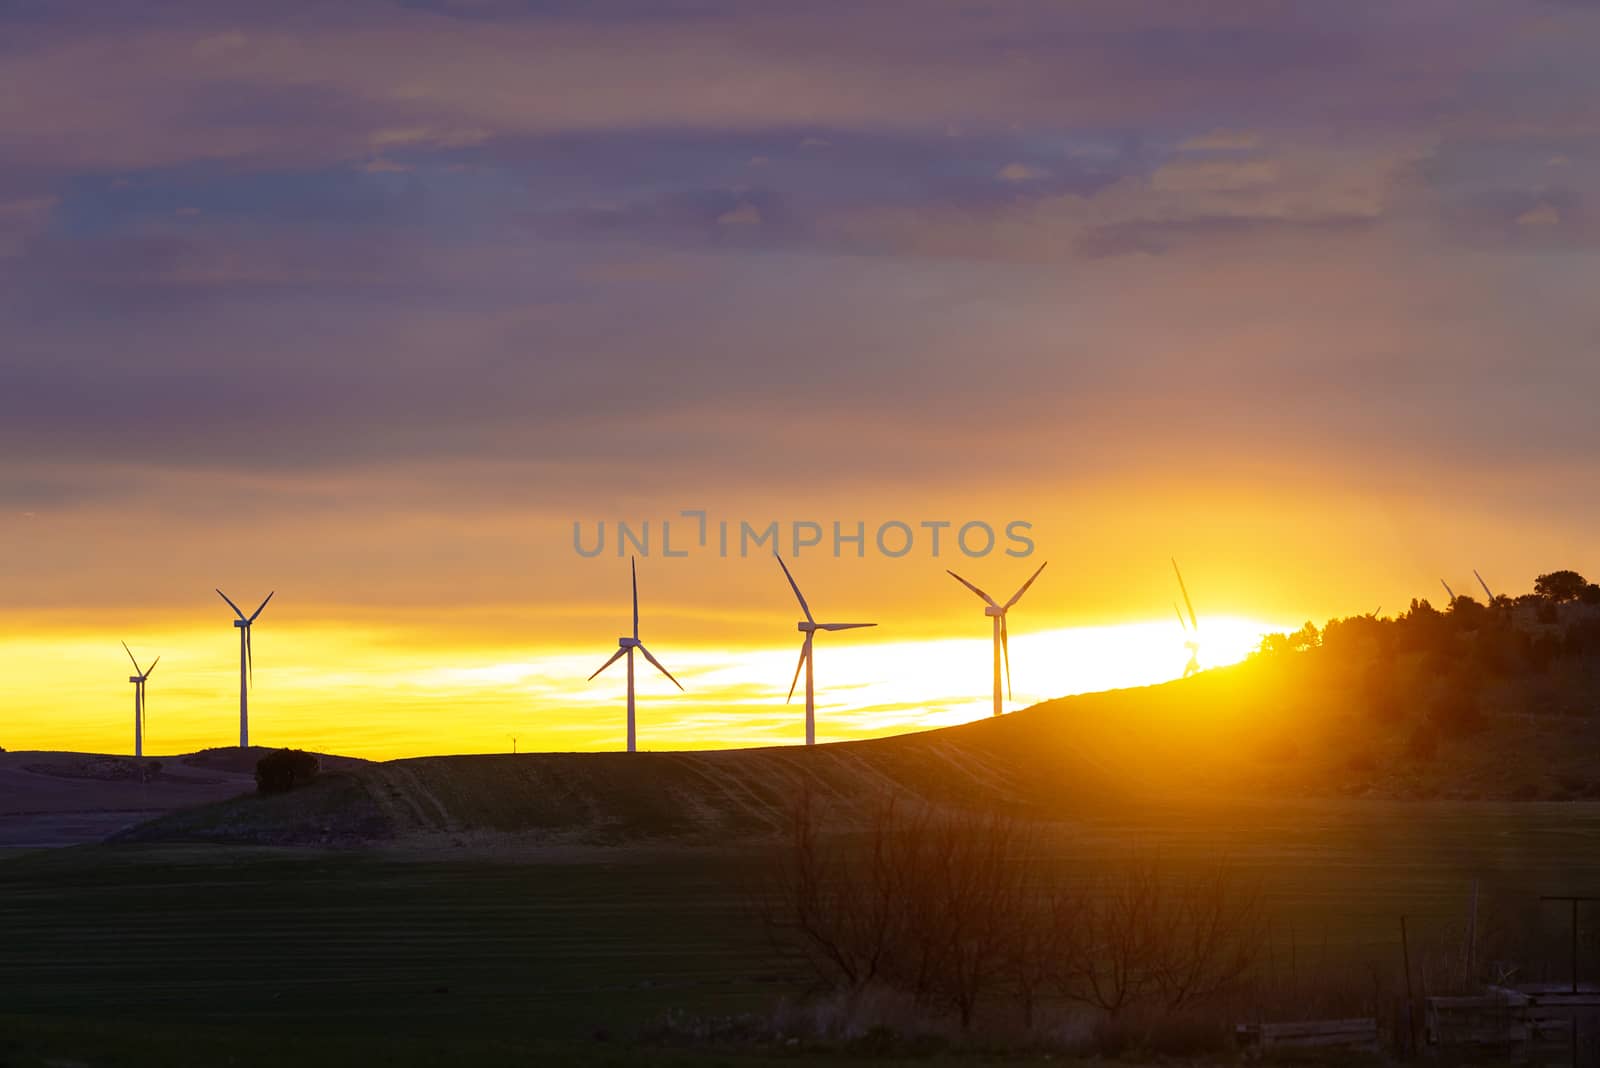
{"x":1209,"y":937}
{"x":1113,"y":967}
{"x":956,"y":909}
{"x":1164,"y":938}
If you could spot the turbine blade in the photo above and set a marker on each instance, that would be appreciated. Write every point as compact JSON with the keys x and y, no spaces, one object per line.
{"x":1186,"y":602}
{"x":249,"y":658}
{"x":125,"y":649}
{"x":1184,"y":623}
{"x":634,"y":565}
{"x":805,"y":650}
{"x":1487,"y":592}
{"x":1005,"y":653}
{"x":1018,"y":595}
{"x":152,"y":669}
{"x":793,"y":586}
{"x":987,"y":599}
{"x":843,"y":626}
{"x":230,"y":603}
{"x":257,"y":612}
{"x":659,"y":668}
{"x":1448,"y":591}
{"x":614,"y":658}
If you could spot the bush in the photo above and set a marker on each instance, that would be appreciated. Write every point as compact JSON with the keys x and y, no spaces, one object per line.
{"x":280,"y":772}
{"x":1457,"y":714}
{"x":1423,"y":742}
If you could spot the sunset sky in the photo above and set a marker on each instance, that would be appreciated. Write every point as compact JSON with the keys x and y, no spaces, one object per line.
{"x":369,"y":303}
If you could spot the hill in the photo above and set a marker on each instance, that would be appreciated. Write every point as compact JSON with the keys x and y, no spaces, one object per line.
{"x":1273,"y":727}
{"x":50,"y":799}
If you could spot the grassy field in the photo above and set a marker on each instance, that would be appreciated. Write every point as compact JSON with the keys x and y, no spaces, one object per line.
{"x":135,"y":948}
{"x":1284,"y":730}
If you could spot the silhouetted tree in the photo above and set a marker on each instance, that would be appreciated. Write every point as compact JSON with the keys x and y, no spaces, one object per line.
{"x":1467,"y":614}
{"x":1306,"y":638}
{"x":1560,"y":587}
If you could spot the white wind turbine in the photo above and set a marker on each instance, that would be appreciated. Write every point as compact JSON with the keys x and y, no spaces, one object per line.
{"x":1002,"y":643}
{"x":809,"y":627}
{"x":246,"y":665}
{"x":1191,"y":626}
{"x":625,"y":647}
{"x":138,"y":698}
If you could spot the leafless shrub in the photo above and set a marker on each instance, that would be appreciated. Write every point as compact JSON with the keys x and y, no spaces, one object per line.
{"x":957,"y":910}
{"x":1162,"y":938}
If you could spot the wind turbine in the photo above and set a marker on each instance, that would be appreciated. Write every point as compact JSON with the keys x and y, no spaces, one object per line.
{"x":1191,"y":626}
{"x":809,"y":627}
{"x":1487,"y":592}
{"x":138,"y":698}
{"x":246,"y":665}
{"x":1448,"y":592}
{"x":1002,"y":645}
{"x":625,"y":647}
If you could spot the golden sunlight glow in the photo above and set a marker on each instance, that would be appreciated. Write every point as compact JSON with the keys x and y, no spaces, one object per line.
{"x":380,"y":694}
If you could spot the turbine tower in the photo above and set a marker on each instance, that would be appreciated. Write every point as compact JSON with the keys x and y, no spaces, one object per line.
{"x":1002,"y":643}
{"x":246,"y":665}
{"x":809,"y":627}
{"x":1191,"y":626}
{"x":140,"y":674}
{"x":625,"y":647}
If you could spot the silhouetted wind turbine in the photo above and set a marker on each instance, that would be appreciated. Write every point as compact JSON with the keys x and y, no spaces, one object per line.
{"x":1448,"y":591}
{"x":138,"y":698}
{"x":809,"y":627}
{"x":1193,"y":642}
{"x":1487,"y":592}
{"x":625,"y":647}
{"x":246,"y":664}
{"x":1002,"y":643}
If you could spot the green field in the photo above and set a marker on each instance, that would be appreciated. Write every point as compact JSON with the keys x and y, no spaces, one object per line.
{"x":267,"y":954}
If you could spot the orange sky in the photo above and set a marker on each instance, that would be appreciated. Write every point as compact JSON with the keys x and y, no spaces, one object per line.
{"x":369,"y":308}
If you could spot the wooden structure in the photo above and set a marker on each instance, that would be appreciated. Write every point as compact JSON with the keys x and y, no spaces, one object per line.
{"x":1531,"y":1020}
{"x":1360,"y":1033}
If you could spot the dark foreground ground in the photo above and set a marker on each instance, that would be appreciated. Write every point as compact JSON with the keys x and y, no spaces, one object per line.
{"x":183,"y":954}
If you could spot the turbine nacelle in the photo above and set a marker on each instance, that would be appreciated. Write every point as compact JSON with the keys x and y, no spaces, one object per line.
{"x":994,"y":610}
{"x":629,"y":643}
{"x":241,"y":623}
{"x":135,"y":678}
{"x":806,"y":626}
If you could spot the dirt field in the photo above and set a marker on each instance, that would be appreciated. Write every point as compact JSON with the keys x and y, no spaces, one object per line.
{"x":53,"y":799}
